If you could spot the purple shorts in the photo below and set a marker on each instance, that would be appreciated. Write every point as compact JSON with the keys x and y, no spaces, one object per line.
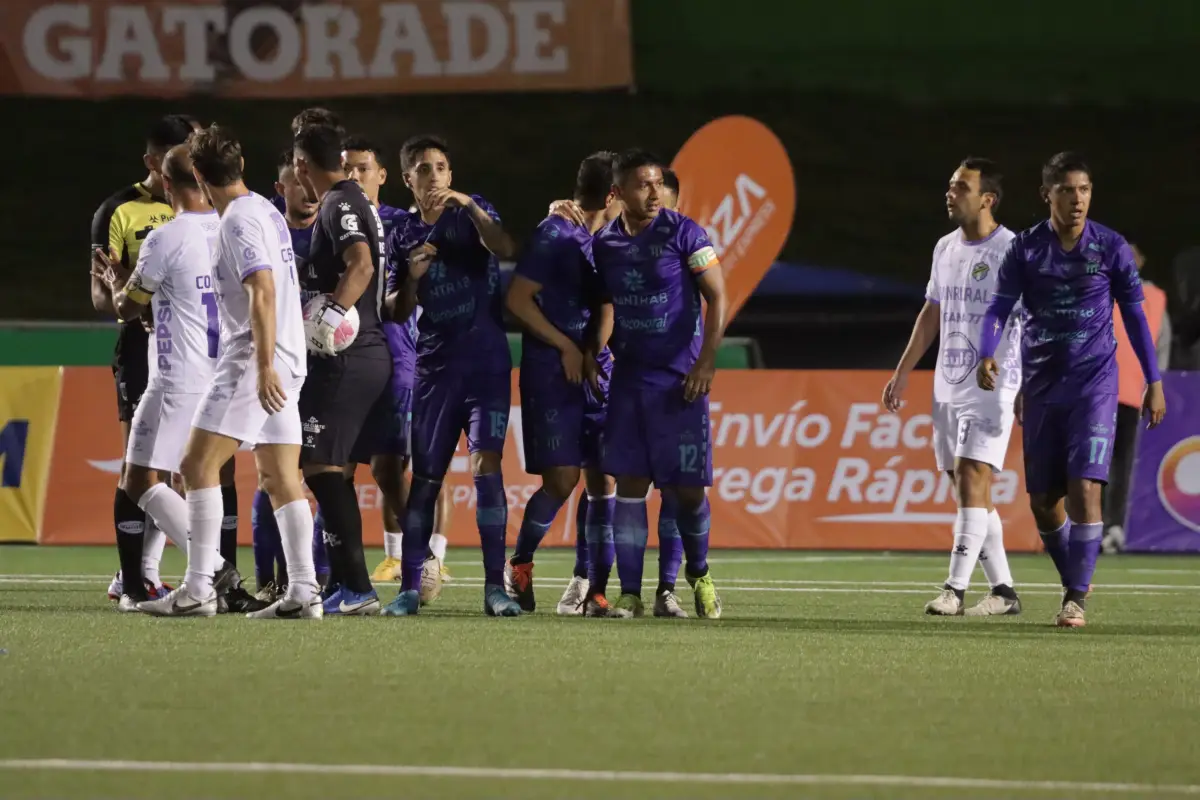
{"x":562,"y":425}
{"x":651,"y":432}
{"x":1068,"y":441}
{"x":450,"y":401}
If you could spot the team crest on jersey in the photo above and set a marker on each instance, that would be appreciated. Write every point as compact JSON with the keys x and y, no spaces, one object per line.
{"x":656,"y":250}
{"x":1093,"y":267}
{"x":980,"y":271}
{"x":633,"y":281}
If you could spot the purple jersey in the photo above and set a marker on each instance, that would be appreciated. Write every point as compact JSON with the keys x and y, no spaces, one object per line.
{"x":401,"y":336}
{"x":559,"y":259}
{"x":301,"y":243}
{"x":1068,"y":350}
{"x":461,"y":310}
{"x":652,"y":279}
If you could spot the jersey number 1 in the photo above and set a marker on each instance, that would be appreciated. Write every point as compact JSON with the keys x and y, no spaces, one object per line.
{"x":209,"y":299}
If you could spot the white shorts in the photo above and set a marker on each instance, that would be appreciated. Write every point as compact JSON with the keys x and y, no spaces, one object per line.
{"x":231,"y":407}
{"x":160,"y":429}
{"x":978,"y":431}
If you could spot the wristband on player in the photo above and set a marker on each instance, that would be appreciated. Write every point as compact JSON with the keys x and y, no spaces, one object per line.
{"x":332,"y":315}
{"x":138,"y":295}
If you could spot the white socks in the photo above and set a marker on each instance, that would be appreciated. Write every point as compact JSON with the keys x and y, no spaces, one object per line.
{"x":391,"y":544}
{"x":168,"y":514}
{"x":993,"y":557}
{"x":970,"y":530}
{"x":295,"y":522}
{"x":437,"y":546}
{"x":205,"y":510}
{"x":152,"y":549}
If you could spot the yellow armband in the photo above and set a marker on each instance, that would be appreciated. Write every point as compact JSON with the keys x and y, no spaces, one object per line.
{"x":138,"y":295}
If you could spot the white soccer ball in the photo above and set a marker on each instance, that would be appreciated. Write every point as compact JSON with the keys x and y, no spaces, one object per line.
{"x":343,"y":336}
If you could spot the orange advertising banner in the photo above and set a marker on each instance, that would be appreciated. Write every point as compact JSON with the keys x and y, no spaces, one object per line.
{"x":803,"y":460}
{"x":311,"y":48}
{"x":736,"y":181}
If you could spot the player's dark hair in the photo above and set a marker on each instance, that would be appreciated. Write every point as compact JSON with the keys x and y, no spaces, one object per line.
{"x":361,"y":144}
{"x":594,"y":180}
{"x":316,"y":116}
{"x":322,"y":144}
{"x":631,"y":160}
{"x":670,"y":180}
{"x":170,"y":130}
{"x":1060,"y":165}
{"x":990,"y":178}
{"x":286,"y":160}
{"x":411,"y":150}
{"x":216,"y":154}
{"x":178,"y":170}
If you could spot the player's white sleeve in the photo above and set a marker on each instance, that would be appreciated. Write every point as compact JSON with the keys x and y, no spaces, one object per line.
{"x":152,"y":263}
{"x":931,"y":289}
{"x":248,"y":246}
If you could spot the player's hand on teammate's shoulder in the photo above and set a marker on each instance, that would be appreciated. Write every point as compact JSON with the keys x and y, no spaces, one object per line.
{"x":986,"y":372}
{"x":1154,"y":405}
{"x":270,"y":390}
{"x":573,"y":364}
{"x":894,"y":391}
{"x":699,"y":380}
{"x":568,"y":210}
{"x":420,"y":259}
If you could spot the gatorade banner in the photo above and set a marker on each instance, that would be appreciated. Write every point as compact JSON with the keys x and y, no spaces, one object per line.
{"x":1164,"y":496}
{"x":805,"y":460}
{"x":28,"y":410}
{"x":735,"y":179}
{"x":310,"y":48}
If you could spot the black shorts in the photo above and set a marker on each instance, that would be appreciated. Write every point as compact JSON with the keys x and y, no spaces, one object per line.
{"x":130,"y":368}
{"x":345,"y":407}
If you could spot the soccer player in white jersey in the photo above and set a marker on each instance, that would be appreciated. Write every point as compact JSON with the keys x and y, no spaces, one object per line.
{"x":252,"y":396}
{"x":971,"y":427}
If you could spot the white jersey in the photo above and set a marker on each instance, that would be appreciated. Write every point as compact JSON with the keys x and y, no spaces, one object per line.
{"x":254,"y":236}
{"x":175,"y":265}
{"x":961,"y":283}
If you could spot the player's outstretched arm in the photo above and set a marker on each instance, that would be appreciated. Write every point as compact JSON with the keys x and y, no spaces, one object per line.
{"x":924,"y":331}
{"x":261,"y":287}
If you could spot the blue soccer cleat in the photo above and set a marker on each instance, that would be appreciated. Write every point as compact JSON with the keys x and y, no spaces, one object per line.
{"x":405,"y":604}
{"x":497,"y":603}
{"x":330,"y":604}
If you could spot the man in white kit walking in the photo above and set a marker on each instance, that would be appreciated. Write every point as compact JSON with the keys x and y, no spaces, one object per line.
{"x":253,"y":393}
{"x":971,"y":426}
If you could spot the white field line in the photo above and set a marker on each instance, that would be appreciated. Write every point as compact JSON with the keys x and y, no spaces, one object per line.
{"x":608,"y":776}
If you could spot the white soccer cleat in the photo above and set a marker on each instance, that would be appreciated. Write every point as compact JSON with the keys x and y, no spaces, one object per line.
{"x":1071,"y":616}
{"x":994,"y":605}
{"x":571,"y":604}
{"x":180,"y":603}
{"x":285,"y":608}
{"x":431,"y":580}
{"x":127,"y":605}
{"x":116,"y":589}
{"x":666,"y":604}
{"x":945,"y":604}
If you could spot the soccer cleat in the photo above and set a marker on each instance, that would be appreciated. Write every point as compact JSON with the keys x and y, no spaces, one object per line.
{"x":571,"y":603}
{"x":994,"y":605}
{"x":269,"y":593}
{"x":597,"y":605}
{"x":629,"y":606}
{"x":708,"y":602}
{"x":446,"y":578}
{"x":284,"y":608}
{"x":160,"y":591}
{"x":226,"y":578}
{"x":666,"y":604}
{"x":388,"y":570}
{"x":180,"y":603}
{"x":1071,"y":616}
{"x":238,"y":601}
{"x":431,"y":580}
{"x":405,"y":604}
{"x":518,"y":582}
{"x":345,"y":603}
{"x":946,"y":604}
{"x":116,"y":589}
{"x":497,"y":603}
{"x":127,"y":605}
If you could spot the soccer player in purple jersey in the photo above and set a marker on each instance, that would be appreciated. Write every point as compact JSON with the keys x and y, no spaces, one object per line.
{"x":656,"y":265}
{"x":1067,"y":272}
{"x":451,"y":249}
{"x":555,"y":295}
{"x":270,"y":564}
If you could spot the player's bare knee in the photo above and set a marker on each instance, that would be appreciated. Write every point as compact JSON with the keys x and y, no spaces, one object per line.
{"x":599,"y":484}
{"x":973,"y":483}
{"x":196,"y":471}
{"x":689,"y":498}
{"x":485,"y":462}
{"x":560,"y":482}
{"x":632,"y":487}
{"x":136,"y":481}
{"x":387,"y":473}
{"x":1047,"y":512}
{"x":1085,"y":501}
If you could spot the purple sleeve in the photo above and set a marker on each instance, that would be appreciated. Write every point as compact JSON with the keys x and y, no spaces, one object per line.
{"x":467,"y":226}
{"x":695,"y":248}
{"x":537,"y":260}
{"x":395,"y":260}
{"x":1126,"y":282}
{"x":1009,"y":288}
{"x":1138,"y":329}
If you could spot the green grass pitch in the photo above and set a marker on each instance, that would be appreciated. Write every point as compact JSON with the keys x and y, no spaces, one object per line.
{"x":823,"y":680}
